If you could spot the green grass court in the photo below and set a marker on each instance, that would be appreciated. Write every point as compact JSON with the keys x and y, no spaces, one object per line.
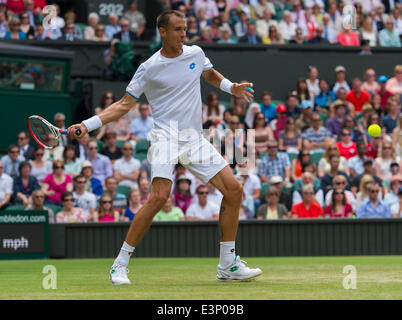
{"x":378,"y":277}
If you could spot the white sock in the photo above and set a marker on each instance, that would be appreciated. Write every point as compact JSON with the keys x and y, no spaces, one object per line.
{"x":227,"y":254}
{"x":124,"y":256}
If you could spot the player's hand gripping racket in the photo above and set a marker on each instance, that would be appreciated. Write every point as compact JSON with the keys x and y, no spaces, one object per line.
{"x":46,"y":134}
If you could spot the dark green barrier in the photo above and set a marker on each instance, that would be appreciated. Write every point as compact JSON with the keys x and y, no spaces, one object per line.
{"x":323,"y":237}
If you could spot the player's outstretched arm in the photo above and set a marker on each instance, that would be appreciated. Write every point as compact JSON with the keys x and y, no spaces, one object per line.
{"x":110,"y":114}
{"x":241,"y":90}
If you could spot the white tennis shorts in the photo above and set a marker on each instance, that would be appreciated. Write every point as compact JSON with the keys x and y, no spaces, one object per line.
{"x":199,"y":156}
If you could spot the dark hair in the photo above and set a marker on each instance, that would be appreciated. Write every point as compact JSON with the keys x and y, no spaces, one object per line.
{"x":299,"y":90}
{"x":202,"y":186}
{"x":266,"y":93}
{"x":80,"y":176}
{"x":24,"y":164}
{"x":333,"y":156}
{"x":103,"y":99}
{"x":12,"y":146}
{"x":38,"y":147}
{"x":65,"y":195}
{"x":333,"y":197}
{"x":210,"y":97}
{"x":300,"y":156}
{"x":101,"y":210}
{"x":309,"y":164}
{"x":69,"y":147}
{"x":255,"y":119}
{"x":163,"y":20}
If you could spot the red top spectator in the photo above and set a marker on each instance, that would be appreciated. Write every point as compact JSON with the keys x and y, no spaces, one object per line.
{"x":339,"y":206}
{"x":372,"y":148}
{"x":16,"y":6}
{"x":347,"y":211}
{"x":348,"y":38}
{"x":40,"y":4}
{"x":308,"y":208}
{"x":357,"y":96}
{"x":347,"y":148}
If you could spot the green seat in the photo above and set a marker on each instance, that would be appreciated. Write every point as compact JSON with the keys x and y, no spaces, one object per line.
{"x":100,"y":145}
{"x":55,"y":208}
{"x":316,"y":157}
{"x":142,"y":146}
{"x":324,"y":118}
{"x":16,"y":207}
{"x":140,"y":156}
{"x":81,"y":26}
{"x":276,"y":102}
{"x":262,"y":155}
{"x":119,"y":143}
{"x":123,"y":190}
{"x":226,"y":104}
{"x":264,"y":188}
{"x":292,"y":156}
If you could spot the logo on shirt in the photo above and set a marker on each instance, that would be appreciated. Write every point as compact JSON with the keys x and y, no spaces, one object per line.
{"x":192,"y":66}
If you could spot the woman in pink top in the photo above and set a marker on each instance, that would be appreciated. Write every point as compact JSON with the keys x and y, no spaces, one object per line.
{"x":106,"y":211}
{"x":56,"y":183}
{"x":394,"y":85}
{"x":339,"y":207}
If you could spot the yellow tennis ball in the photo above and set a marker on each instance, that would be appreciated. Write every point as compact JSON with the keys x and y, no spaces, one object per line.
{"x":374,"y":130}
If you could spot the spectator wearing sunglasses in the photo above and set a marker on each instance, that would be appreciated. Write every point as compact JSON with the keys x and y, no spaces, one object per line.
{"x":40,"y":167}
{"x":274,"y":164}
{"x":202,"y":209}
{"x":12,"y":160}
{"x":327,"y":179}
{"x":84,"y":199}
{"x":69,"y":214}
{"x":56,"y":183}
{"x":106,"y":211}
{"x":339,"y":206}
{"x":373,"y":207}
{"x":127,"y":168}
{"x":347,"y":148}
{"x":340,"y":181}
{"x":101,"y":164}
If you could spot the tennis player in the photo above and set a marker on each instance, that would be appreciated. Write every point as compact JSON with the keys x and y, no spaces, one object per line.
{"x":170,"y":80}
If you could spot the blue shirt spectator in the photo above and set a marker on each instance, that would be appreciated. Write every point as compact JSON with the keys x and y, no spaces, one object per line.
{"x":101,"y":164}
{"x":141,"y":126}
{"x":324,"y":99}
{"x":373,"y":207}
{"x":11,"y":161}
{"x":274,"y":164}
{"x":21,"y":35}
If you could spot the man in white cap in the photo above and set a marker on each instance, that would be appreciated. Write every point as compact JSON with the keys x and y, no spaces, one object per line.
{"x":284,"y":197}
{"x":340,"y":74}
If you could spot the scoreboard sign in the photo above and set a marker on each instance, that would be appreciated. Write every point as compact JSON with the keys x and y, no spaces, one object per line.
{"x":104,"y":8}
{"x":24,"y":234}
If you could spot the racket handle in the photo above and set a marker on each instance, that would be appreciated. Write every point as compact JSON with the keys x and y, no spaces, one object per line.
{"x":77,"y":132}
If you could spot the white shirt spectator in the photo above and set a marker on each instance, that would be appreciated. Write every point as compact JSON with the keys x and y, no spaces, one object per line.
{"x":215,"y":198}
{"x":127,"y":167}
{"x":251,"y":184}
{"x":210,"y":7}
{"x":85,"y":201}
{"x":6,"y":186}
{"x":196,"y":211}
{"x":287,"y":30}
{"x":310,"y":3}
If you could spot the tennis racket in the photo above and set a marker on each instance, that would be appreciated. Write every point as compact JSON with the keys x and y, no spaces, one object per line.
{"x":46,"y":134}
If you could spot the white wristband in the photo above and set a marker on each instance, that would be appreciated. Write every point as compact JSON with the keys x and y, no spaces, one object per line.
{"x":226,"y":85}
{"x":93,"y":123}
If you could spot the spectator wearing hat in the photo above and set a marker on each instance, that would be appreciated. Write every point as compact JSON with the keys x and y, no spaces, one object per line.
{"x":334,"y":124}
{"x":93,"y":185}
{"x":272,"y":209}
{"x":274,"y":164}
{"x":383,"y":92}
{"x":317,"y":137}
{"x":373,"y":207}
{"x":391,"y":197}
{"x":304,"y":121}
{"x":202,"y":209}
{"x":135,"y":18}
{"x":284,"y":196}
{"x":340,"y":74}
{"x":357,"y":96}
{"x":251,"y":36}
{"x":278,"y":124}
{"x":396,"y":209}
{"x":308,"y":208}
{"x":182,"y":194}
{"x":226,"y":34}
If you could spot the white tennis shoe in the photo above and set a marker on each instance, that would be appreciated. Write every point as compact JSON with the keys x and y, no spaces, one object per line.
{"x":237,"y":271}
{"x":118,"y":275}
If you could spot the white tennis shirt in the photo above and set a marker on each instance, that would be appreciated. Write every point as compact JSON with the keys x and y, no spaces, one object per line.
{"x":172,"y":87}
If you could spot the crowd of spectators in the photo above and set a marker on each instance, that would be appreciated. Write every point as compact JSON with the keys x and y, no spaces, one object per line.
{"x":314,"y":157}
{"x":376,"y":23}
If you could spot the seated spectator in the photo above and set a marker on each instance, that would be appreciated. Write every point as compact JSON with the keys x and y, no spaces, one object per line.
{"x":182,"y":194}
{"x":24,"y":184}
{"x":38,"y":199}
{"x":135,"y":18}
{"x":40,"y":168}
{"x":341,"y":97}
{"x":214,"y":28}
{"x":274,"y":164}
{"x":287,"y":28}
{"x":348,"y":38}
{"x":214,"y":195}
{"x":383,"y":92}
{"x":101,"y":164}
{"x":107,"y":99}
{"x":390,"y":120}
{"x":383,"y":162}
{"x":292,"y":109}
{"x":355,"y":163}
{"x":134,"y":204}
{"x":180,"y":170}
{"x":120,"y":127}
{"x":93,"y":21}
{"x":214,"y":110}
{"x":308,"y":208}
{"x":303,"y":122}
{"x":106,"y":211}
{"x":251,"y":36}
{"x":205,"y":35}
{"x":373,"y":207}
{"x":251,"y":185}
{"x":15,"y":6}
{"x":272,"y":209}
{"x":141,"y":126}
{"x":327,"y":179}
{"x":93,"y":185}
{"x":324,"y":98}
{"x":394,"y":84}
{"x":56,"y":183}
{"x":319,"y":37}
{"x":357,"y":96}
{"x":290,"y":140}
{"x":396,"y":209}
{"x":72,"y":164}
{"x":278,"y":124}
{"x":284,"y":196}
{"x":367,"y":32}
{"x":26,"y":27}
{"x":240,"y":27}
{"x":329,"y":31}
{"x":201,"y":209}
{"x":266,"y":106}
{"x":84,"y":199}
{"x":169,"y":212}
{"x":192,"y":32}
{"x":119,"y":200}
{"x":110,"y":149}
{"x":340,"y":74}
{"x":69,"y":214}
{"x":313,"y":82}
{"x":334,"y":123}
{"x":68,"y":33}
{"x":143,"y":185}
{"x":347,"y":148}
{"x":308,"y":178}
{"x":15,"y":31}
{"x":340,"y":181}
{"x":370,"y":84}
{"x":397,"y":137}
{"x":26,"y":150}
{"x":12,"y":160}
{"x":316,"y":138}
{"x":125,"y":34}
{"x":70,"y":17}
{"x":373,"y":147}
{"x":387,"y":36}
{"x":274,"y":37}
{"x":127,"y":168}
{"x":339,"y":206}
{"x":226,"y":35}
{"x":3,"y":24}
{"x":6,"y":188}
{"x":356,"y":133}
{"x":262,"y":7}
{"x":265,"y":22}
{"x":100,"y":34}
{"x":263,"y":133}
{"x":298,"y":163}
{"x":362,"y":191}
{"x":113,"y":27}
{"x":391,"y":198}
{"x":298,"y":38}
